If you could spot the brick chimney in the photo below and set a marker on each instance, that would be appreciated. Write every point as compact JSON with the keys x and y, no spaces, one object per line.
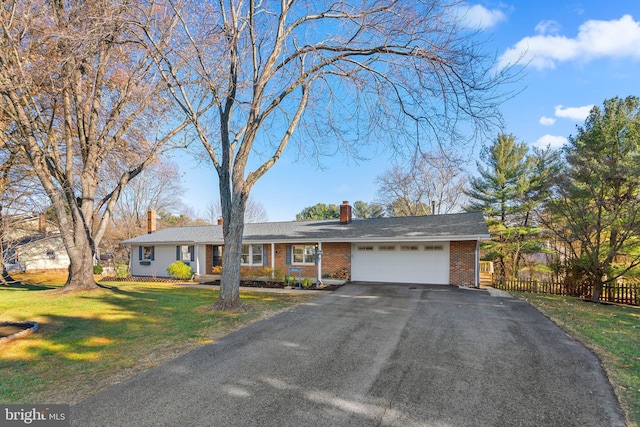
{"x":219,"y":220}
{"x":151,"y":221}
{"x":345,"y":213}
{"x":42,"y":223}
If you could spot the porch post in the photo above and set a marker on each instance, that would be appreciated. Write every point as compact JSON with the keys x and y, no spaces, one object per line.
{"x":273,"y":260}
{"x":477,"y":261}
{"x":319,"y":262}
{"x":196,"y":255}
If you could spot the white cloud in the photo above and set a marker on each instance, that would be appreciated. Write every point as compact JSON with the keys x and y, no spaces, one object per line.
{"x":550,"y":140}
{"x":596,"y":39}
{"x":575,"y":113}
{"x":547,"y":27}
{"x":547,"y":121}
{"x":480,"y":17}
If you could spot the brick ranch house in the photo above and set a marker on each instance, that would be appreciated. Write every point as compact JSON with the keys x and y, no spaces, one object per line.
{"x":435,"y":249}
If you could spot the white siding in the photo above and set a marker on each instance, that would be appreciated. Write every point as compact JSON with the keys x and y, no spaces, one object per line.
{"x":44,"y":254}
{"x":164,"y":255}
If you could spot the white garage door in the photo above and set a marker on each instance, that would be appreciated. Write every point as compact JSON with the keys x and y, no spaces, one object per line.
{"x":401,"y":262}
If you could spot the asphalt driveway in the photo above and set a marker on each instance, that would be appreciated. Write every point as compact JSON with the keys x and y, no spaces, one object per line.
{"x":375,"y":354}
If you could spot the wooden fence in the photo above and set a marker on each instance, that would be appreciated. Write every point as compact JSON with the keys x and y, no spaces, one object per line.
{"x":621,"y":292}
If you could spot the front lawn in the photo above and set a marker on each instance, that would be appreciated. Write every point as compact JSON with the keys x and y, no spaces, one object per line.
{"x":611,"y":331}
{"x":90,"y":340}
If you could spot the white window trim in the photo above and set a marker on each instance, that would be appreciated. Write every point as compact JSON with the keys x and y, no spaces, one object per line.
{"x":304,"y":254}
{"x":251,"y":253}
{"x":187,"y":253}
{"x":147,"y":255}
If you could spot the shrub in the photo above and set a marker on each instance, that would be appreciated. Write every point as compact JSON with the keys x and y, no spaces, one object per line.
{"x":254,"y":272}
{"x":307,"y":282}
{"x":217,"y":269}
{"x":122,"y":269}
{"x":290,"y":280}
{"x":97,"y":269}
{"x":278,"y":275}
{"x":179,"y":270}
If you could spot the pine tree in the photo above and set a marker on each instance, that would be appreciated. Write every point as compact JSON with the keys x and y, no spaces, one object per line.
{"x":596,"y":204}
{"x":508,"y":189}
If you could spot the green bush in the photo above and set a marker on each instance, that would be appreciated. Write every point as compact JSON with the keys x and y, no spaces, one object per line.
{"x":97,"y":269}
{"x":122,"y":269}
{"x":179,"y":270}
{"x":307,"y":282}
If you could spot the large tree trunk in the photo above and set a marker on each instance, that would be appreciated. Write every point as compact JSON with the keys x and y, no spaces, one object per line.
{"x":80,"y":272}
{"x":229,"y":297}
{"x":597,"y":289}
{"x":81,"y":251}
{"x":233,"y":228}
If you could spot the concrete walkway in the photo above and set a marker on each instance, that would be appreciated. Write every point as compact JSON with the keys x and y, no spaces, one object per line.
{"x":374,"y":354}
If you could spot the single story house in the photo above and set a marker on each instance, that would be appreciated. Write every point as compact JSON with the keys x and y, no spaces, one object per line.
{"x":435,"y":249}
{"x":34,"y":244}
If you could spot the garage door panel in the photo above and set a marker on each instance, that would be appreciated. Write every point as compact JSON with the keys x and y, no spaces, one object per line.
{"x":401,"y":262}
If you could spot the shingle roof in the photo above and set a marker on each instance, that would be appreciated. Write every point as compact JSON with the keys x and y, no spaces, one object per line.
{"x":462,"y":226}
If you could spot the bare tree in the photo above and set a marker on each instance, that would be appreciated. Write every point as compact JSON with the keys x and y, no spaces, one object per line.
{"x":80,"y":96}
{"x":158,"y":187}
{"x":254,"y":212}
{"x":19,"y":197}
{"x":433,"y":183}
{"x":249,"y":75}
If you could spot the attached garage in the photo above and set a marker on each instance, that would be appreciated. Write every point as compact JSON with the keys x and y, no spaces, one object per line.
{"x":401,"y":262}
{"x":433,"y":249}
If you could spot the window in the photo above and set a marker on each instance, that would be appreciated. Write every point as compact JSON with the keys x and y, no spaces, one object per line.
{"x":409,"y":247}
{"x":365,"y":248}
{"x":387,"y":248}
{"x":252,"y":254}
{"x":145,"y":254}
{"x":433,"y":247}
{"x":185,"y":253}
{"x":303,"y":254}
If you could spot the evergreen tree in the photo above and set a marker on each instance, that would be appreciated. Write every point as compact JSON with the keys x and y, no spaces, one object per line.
{"x":508,"y":189}
{"x":367,"y":210}
{"x":319,"y":211}
{"x":595,"y":210}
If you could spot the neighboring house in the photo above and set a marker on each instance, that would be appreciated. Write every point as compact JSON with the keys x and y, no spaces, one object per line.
{"x":437,"y":249}
{"x":34,"y":244}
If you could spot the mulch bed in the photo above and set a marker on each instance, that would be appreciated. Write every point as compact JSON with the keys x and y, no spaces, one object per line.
{"x":12,"y":330}
{"x":246,"y":283}
{"x":140,"y":279}
{"x":273,"y":285}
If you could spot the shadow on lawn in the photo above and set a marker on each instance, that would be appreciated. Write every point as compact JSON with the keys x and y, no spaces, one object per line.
{"x":25,"y":287}
{"x":99,"y":334}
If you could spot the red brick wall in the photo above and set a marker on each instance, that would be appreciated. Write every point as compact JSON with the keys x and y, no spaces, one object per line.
{"x":209,"y":259}
{"x":335,"y":257}
{"x":462,"y":261}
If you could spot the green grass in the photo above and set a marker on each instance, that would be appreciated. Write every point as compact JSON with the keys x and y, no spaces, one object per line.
{"x":90,"y":340}
{"x":611,"y":331}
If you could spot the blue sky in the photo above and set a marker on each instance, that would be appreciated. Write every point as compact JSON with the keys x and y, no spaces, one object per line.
{"x":577,"y":54}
